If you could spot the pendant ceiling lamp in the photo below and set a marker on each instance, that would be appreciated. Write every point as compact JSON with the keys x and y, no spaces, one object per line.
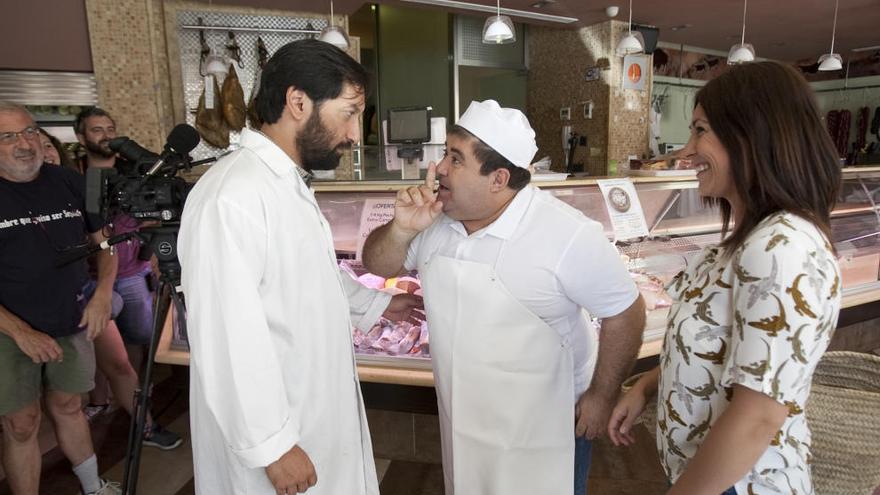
{"x":334,"y":35}
{"x":741,"y":52}
{"x":498,"y":29}
{"x":831,"y":61}
{"x":633,"y":41}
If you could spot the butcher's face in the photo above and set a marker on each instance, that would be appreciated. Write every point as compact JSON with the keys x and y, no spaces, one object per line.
{"x":464,"y":191}
{"x":331,"y":129}
{"x":97,"y":133}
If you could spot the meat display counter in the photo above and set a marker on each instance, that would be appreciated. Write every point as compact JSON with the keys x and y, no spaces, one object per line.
{"x":679,"y":225}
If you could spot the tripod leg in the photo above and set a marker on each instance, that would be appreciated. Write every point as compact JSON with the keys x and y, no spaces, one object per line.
{"x":180,"y":309}
{"x":142,"y":394}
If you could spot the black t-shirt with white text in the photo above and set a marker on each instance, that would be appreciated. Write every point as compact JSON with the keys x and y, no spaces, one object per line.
{"x":39,"y":221}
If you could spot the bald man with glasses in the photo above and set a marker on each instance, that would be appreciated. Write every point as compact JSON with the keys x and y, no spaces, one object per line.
{"x":46,"y":330}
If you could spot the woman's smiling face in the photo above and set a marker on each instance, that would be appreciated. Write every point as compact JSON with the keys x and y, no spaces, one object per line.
{"x":710,"y":159}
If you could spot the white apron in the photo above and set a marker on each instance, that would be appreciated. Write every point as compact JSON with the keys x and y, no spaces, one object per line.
{"x":504,"y":384}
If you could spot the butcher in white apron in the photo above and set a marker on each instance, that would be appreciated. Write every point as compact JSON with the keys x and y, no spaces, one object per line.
{"x":511,"y":276}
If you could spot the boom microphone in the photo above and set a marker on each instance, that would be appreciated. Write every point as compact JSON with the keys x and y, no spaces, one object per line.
{"x":182,"y":139}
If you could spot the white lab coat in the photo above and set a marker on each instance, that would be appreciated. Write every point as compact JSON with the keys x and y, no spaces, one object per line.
{"x":269,"y":323}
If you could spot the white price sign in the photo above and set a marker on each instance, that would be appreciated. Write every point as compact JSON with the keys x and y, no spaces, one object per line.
{"x":624,"y":208}
{"x":377,"y":212}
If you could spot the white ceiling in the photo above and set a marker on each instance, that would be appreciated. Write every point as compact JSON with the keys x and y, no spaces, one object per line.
{"x":779,"y":29}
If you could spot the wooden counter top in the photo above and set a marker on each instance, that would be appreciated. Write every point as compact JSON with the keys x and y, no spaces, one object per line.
{"x":397,"y":375}
{"x":372,"y":372}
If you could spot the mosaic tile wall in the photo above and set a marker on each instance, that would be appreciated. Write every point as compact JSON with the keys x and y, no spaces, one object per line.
{"x":628,"y":123}
{"x":137,"y":64}
{"x":558,"y":64}
{"x":123,"y":36}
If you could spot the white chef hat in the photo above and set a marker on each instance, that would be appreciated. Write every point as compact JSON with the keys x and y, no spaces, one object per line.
{"x":506,"y":130}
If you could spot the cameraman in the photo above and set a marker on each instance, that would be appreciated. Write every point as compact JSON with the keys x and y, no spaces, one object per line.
{"x":46,"y":331}
{"x":94,"y":129}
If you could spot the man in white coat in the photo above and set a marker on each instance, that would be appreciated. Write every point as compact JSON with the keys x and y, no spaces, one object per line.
{"x":275,"y":401}
{"x":507,"y":271}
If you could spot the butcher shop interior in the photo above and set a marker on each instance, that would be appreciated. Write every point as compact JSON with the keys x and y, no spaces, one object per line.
{"x":627,"y":138}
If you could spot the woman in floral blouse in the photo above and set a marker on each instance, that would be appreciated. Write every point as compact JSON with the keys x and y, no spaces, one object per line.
{"x":752,"y":316}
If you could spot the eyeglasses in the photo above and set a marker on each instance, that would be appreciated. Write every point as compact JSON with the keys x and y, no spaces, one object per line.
{"x":7,"y":138}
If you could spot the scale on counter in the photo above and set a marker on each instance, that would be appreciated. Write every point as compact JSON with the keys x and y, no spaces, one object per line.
{"x":410,"y":128}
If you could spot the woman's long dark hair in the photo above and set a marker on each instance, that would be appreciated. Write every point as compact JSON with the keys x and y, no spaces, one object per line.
{"x":781,"y":156}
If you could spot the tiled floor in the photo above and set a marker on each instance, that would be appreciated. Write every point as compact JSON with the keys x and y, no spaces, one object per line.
{"x":618,"y":471}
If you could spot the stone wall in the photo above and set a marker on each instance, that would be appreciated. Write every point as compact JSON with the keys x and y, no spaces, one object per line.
{"x":558,"y":61}
{"x":137,"y":63}
{"x":128,"y":66}
{"x":628,"y":114}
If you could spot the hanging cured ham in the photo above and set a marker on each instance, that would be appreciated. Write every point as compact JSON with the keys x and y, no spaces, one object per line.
{"x":232,"y":99}
{"x":209,"y":118}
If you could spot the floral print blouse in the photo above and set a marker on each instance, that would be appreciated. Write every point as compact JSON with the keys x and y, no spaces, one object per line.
{"x":760,"y":318}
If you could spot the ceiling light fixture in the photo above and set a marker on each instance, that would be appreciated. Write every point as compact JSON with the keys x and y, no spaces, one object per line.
{"x":454,"y":4}
{"x":499,"y":29}
{"x":633,"y":41}
{"x":334,"y":35}
{"x":741,"y":52}
{"x":831,"y":61}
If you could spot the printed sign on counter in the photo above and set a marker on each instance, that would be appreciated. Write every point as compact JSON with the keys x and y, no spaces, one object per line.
{"x":624,"y":208}
{"x":376,"y":213}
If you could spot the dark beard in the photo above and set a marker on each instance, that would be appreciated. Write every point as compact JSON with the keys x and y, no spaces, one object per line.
{"x":100,"y":149}
{"x":315,"y":145}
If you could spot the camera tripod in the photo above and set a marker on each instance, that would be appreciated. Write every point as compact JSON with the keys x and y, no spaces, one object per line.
{"x":163,"y":241}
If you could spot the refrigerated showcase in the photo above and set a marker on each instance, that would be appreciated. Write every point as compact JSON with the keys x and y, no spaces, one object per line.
{"x":680,"y":225}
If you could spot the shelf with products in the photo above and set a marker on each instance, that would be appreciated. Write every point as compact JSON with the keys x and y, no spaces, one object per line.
{"x":680,"y":225}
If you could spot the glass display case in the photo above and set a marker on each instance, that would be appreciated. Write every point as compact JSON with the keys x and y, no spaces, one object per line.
{"x":679,"y":225}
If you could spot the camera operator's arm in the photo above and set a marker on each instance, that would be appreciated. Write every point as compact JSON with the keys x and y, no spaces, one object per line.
{"x":97,"y":311}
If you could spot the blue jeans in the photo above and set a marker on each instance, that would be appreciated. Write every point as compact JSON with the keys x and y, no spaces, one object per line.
{"x":116,"y":301}
{"x":135,"y":321}
{"x":131,"y":307}
{"x":582,"y":453}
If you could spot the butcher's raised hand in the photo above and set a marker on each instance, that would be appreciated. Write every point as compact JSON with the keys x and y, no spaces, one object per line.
{"x":292,"y":473}
{"x":624,"y":416}
{"x":416,"y":207}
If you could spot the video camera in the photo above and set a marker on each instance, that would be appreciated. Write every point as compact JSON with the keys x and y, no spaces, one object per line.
{"x":149,"y":188}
